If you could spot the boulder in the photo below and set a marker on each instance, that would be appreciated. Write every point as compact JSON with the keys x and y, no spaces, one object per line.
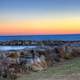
{"x":37,"y":67}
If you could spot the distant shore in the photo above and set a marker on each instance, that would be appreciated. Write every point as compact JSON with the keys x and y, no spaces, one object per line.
{"x":37,"y":43}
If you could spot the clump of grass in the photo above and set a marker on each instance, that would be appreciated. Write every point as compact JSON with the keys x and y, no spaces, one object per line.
{"x":68,"y":56}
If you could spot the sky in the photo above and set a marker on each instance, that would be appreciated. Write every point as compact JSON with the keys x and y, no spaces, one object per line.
{"x":37,"y":17}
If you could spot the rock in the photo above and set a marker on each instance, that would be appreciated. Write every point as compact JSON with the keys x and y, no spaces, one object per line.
{"x":76,"y":51}
{"x":37,"y":67}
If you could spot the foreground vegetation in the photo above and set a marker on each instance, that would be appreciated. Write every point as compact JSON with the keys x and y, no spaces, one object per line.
{"x":70,"y":67}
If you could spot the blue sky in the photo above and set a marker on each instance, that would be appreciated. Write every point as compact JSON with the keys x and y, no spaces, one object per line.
{"x":39,"y":4}
{"x":33,"y":8}
{"x":20,"y":14}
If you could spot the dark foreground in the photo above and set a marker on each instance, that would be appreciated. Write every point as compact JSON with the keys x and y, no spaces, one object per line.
{"x":17,"y":64}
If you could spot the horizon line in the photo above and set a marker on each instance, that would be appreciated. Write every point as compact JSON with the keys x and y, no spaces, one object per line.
{"x":39,"y":34}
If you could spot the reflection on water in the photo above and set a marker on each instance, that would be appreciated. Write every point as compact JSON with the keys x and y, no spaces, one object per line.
{"x":4,"y":48}
{"x":14,"y":47}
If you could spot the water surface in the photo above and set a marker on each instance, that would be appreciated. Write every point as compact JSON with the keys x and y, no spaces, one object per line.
{"x":42,"y":37}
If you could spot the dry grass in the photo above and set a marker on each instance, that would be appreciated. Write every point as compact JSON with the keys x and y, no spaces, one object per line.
{"x":69,"y":70}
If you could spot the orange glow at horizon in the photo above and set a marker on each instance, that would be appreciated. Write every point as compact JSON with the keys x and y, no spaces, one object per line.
{"x":34,"y":27}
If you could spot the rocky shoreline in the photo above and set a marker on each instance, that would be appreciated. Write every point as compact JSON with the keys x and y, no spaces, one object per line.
{"x":36,"y":43}
{"x":14,"y":63}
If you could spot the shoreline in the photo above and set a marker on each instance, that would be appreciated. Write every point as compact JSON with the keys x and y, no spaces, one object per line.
{"x":37,"y":43}
{"x":45,"y":55}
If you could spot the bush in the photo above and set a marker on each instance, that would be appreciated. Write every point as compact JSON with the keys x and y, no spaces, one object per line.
{"x":67,"y":56}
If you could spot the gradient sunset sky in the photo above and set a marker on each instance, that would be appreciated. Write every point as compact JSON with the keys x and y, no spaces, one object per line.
{"x":33,"y":17}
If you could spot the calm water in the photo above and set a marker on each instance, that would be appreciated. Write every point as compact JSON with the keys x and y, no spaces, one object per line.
{"x":36,"y":37}
{"x":42,"y":37}
{"x":4,"y":48}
